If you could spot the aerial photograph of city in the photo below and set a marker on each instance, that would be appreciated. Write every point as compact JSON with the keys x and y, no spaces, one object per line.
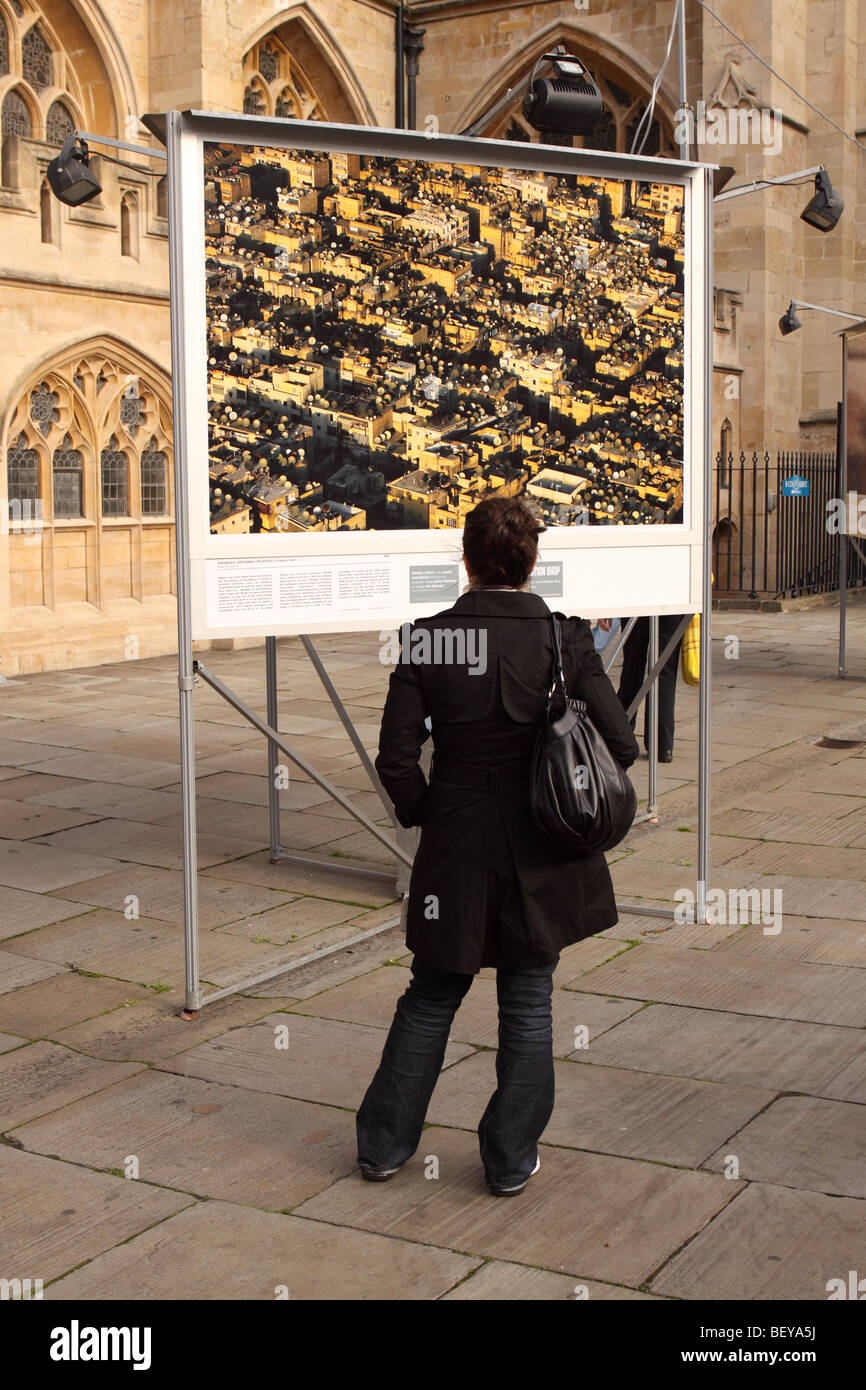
{"x":391,"y":340}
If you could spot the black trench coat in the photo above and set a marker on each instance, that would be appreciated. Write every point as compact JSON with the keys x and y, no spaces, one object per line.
{"x":487,"y":887}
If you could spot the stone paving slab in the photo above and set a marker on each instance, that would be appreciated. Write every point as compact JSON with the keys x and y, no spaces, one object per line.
{"x":309,"y":980}
{"x":804,"y":939}
{"x":16,"y":754}
{"x":8,"y":1042}
{"x":160,"y":894}
{"x":152,"y":1030}
{"x":803,"y":1142}
{"x":325,"y":1060}
{"x":217,"y":1250}
{"x":21,"y":911}
{"x":156,"y":846}
{"x":43,"y":1077}
{"x":371,"y":999}
{"x":592,"y":1216}
{"x":819,"y":897}
{"x":39,"y":1010}
{"x":106,"y":767}
{"x":738,"y":983}
{"x":23,"y":821}
{"x":80,"y":1214}
{"x":148,"y":951}
{"x":771,"y":1243}
{"x":501,"y":1282}
{"x":17,"y":970}
{"x":320,"y":880}
{"x":212,"y":1141}
{"x":633,"y":1114}
{"x":773,"y":857}
{"x":736,"y":1048}
{"x":583,"y":956}
{"x":24,"y":865}
{"x":298,"y":918}
{"x":809,"y":828}
{"x":111,"y":799}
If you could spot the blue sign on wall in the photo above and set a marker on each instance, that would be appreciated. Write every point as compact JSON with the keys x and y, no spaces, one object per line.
{"x":795,"y":486}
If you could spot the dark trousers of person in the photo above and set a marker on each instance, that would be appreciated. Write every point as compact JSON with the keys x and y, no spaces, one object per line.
{"x":634,"y":670}
{"x":391,"y":1117}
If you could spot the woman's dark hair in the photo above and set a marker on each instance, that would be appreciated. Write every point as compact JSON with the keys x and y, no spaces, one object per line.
{"x":500,"y":541}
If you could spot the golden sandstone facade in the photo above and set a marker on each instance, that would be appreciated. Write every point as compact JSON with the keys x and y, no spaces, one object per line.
{"x":85,"y":402}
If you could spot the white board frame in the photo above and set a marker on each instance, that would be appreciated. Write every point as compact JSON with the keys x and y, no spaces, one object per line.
{"x":609,"y":571}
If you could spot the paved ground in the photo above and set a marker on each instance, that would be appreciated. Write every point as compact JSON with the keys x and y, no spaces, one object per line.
{"x":709,"y":1138}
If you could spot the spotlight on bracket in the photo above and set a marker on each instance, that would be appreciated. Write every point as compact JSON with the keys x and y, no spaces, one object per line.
{"x":69,"y":175}
{"x":789,"y":323}
{"x":825,"y":208}
{"x":569,"y":101}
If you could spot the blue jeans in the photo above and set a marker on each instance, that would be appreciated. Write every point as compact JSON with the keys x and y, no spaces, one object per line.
{"x":392,"y":1113}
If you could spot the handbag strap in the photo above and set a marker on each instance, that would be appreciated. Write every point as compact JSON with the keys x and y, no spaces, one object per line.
{"x":557,"y":676}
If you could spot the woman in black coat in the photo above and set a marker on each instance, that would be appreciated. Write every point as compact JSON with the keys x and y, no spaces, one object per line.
{"x":487,"y":888}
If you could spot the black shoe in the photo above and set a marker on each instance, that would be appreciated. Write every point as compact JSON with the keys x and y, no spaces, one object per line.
{"x":376,"y":1174}
{"x":666,"y":755}
{"x":513,"y":1191}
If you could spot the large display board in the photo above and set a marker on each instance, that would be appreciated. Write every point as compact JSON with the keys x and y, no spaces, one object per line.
{"x":374,"y":330}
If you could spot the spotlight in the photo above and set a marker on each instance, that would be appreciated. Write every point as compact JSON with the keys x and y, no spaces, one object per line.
{"x":69,"y":176}
{"x":825,"y":208}
{"x":569,"y":101}
{"x":789,"y":323}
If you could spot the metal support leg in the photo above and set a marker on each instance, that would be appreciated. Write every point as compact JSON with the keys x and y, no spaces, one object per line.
{"x":653,"y":723}
{"x":271,"y":733}
{"x":843,"y":601}
{"x":348,"y":726}
{"x":273,"y":751}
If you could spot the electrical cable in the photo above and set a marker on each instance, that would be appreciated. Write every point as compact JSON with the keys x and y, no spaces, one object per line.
{"x":651,"y":105}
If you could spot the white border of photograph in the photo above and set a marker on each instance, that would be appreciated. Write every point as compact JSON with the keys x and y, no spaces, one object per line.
{"x":360,"y":580}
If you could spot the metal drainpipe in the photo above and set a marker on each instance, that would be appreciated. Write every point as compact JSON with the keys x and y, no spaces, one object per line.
{"x":413,"y":47}
{"x":399,"y":109}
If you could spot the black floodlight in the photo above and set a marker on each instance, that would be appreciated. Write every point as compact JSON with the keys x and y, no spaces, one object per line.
{"x":825,"y":208}
{"x":789,"y":323}
{"x":569,"y":101}
{"x":69,"y":176}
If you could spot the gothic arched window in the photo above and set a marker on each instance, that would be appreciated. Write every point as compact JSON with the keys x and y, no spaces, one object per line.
{"x":275,"y":84}
{"x":129,"y":226}
{"x":16,"y":118}
{"x":36,"y":60}
{"x":22,"y":471}
{"x":254,"y":100}
{"x":623,"y":107}
{"x":58,"y":123}
{"x":4,"y":48}
{"x":115,"y":479}
{"x":154,"y":472}
{"x":67,"y":467}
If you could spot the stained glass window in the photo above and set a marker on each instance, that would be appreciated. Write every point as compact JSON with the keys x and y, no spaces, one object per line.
{"x":131,"y":411}
{"x":22,"y":471}
{"x":36,"y":60}
{"x":4,"y":48}
{"x":254,"y":102}
{"x":58,"y":123}
{"x":115,"y":479}
{"x":153,"y":481}
{"x":286,"y":106}
{"x":268,"y":63}
{"x":66,"y":466}
{"x":16,"y":116}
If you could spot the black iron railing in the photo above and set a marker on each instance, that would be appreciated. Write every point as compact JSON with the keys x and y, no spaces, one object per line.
{"x":771,"y":536}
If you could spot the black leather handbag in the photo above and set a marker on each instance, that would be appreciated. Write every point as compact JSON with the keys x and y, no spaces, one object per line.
{"x":580,"y":796}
